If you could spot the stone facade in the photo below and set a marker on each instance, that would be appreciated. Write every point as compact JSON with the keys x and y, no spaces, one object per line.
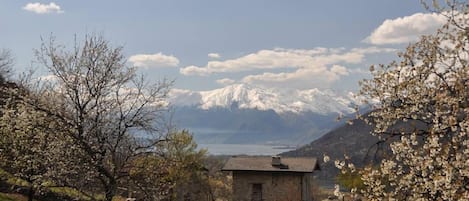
{"x":275,"y":186}
{"x":261,"y":178}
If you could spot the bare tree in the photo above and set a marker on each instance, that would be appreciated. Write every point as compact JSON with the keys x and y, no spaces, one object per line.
{"x":112,"y":115}
{"x":6,"y":61}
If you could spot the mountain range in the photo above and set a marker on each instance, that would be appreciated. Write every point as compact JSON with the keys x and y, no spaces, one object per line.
{"x":244,"y":114}
{"x":245,"y":96}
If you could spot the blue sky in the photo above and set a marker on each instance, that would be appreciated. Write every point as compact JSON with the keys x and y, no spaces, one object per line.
{"x":274,"y":44}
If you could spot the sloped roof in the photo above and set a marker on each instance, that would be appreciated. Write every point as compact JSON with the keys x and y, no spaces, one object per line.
{"x":263,"y":163}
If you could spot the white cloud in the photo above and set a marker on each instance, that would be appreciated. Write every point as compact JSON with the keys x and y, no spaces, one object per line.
{"x":311,"y":52}
{"x":373,"y":50}
{"x":274,"y":59}
{"x":299,"y":68}
{"x":183,"y":97}
{"x":406,"y":29}
{"x":303,"y":78}
{"x":193,"y":70}
{"x":214,"y":55}
{"x":226,"y":81}
{"x":154,"y":60}
{"x":360,"y":71}
{"x":339,"y":70}
{"x":43,"y":8}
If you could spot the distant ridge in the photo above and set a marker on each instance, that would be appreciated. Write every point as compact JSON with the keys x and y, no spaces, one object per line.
{"x":353,"y":140}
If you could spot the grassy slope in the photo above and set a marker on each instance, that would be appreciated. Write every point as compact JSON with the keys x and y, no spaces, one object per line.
{"x":12,"y":197}
{"x":10,"y":180}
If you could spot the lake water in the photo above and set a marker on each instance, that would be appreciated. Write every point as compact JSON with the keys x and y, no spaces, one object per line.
{"x":244,"y":149}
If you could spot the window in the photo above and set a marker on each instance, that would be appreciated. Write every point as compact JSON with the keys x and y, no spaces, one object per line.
{"x":256,"y":192}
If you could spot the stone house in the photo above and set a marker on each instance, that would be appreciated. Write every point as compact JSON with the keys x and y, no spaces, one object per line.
{"x":258,"y":178}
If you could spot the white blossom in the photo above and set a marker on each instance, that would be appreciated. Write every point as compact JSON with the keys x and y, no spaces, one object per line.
{"x":427,"y":91}
{"x":326,"y":158}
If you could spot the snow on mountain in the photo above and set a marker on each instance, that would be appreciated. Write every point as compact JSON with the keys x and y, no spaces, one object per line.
{"x":281,"y":101}
{"x":182,"y":97}
{"x":243,"y":95}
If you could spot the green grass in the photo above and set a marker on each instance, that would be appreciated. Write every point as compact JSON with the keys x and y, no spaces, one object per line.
{"x":12,"y":180}
{"x":12,"y":197}
{"x":69,"y":192}
{"x":4,"y":197}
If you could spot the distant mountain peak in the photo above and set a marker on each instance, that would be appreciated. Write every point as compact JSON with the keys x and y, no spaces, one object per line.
{"x":252,"y":97}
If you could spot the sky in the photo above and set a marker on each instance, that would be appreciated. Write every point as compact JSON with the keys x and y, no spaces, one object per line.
{"x":209,"y":44}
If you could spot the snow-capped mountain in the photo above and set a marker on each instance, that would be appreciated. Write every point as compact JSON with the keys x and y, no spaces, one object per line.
{"x":245,"y":114}
{"x":281,"y":101}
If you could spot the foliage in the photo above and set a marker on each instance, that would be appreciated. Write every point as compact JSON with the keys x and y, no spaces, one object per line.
{"x":110,"y":115}
{"x":427,"y":90}
{"x":6,"y":62}
{"x":175,"y":172}
{"x":147,"y":178}
{"x":350,"y":180}
{"x":26,"y":145}
{"x":187,"y":171}
{"x":220,"y":182}
{"x":93,"y":130}
{"x":179,"y":171}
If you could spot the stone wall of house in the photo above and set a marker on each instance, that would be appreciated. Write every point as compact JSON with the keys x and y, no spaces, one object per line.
{"x":281,"y":186}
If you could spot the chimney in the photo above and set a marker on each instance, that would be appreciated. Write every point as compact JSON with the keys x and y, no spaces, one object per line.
{"x":276,"y":161}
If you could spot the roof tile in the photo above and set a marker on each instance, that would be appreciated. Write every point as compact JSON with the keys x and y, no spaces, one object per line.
{"x":263,"y":163}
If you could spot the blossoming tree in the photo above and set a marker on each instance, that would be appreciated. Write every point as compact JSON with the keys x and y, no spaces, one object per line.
{"x":428,"y":90}
{"x":111,"y":115}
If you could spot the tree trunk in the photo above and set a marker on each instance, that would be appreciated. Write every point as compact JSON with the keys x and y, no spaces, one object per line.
{"x":111,"y":190}
{"x":31,"y":193}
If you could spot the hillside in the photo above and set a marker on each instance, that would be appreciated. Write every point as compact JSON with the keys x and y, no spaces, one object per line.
{"x":353,"y":140}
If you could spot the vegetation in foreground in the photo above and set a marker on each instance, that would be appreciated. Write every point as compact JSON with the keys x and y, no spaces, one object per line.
{"x":426,"y":89}
{"x":95,"y":130}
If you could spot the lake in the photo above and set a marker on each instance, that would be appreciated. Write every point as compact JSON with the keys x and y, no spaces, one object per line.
{"x":244,"y":149}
